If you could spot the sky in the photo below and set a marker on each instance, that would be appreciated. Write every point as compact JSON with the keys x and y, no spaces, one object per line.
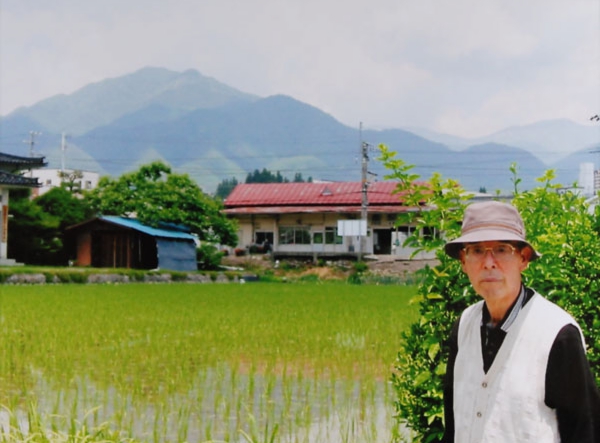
{"x":462,"y":67}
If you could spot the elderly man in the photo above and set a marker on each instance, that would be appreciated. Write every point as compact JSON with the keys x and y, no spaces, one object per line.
{"x":517,"y":370}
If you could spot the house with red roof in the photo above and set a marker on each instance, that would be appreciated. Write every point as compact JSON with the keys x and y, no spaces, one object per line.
{"x":319,"y":219}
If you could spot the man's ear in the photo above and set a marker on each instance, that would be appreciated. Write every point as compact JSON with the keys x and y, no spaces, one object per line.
{"x":461,"y":258}
{"x":527,"y":253}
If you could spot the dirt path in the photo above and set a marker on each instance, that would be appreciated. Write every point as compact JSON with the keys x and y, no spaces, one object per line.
{"x":386,"y":265}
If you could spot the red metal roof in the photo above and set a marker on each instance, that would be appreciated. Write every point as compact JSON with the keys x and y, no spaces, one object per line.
{"x":313,"y":194}
{"x":337,"y":197}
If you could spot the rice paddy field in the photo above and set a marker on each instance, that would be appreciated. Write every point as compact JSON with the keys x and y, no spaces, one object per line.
{"x":255,"y":362}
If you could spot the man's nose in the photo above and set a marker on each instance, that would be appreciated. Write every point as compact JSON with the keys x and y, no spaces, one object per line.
{"x":488,"y":259}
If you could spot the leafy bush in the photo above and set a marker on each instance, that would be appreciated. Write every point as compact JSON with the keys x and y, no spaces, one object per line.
{"x":65,"y":276}
{"x":208,"y":257}
{"x":360,"y":267}
{"x":178,"y":276}
{"x":559,"y":226}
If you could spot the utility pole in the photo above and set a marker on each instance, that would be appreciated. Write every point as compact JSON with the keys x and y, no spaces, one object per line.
{"x":364,"y":147}
{"x":63,"y":151}
{"x":596,"y":118}
{"x":32,"y":136}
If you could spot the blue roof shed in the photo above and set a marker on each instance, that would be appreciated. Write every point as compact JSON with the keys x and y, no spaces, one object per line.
{"x":112,"y":241}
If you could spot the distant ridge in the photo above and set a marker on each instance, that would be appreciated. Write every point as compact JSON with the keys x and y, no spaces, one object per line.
{"x":101,"y":103}
{"x":211,"y":131}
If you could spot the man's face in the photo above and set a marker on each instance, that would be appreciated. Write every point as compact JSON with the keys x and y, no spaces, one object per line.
{"x":494,"y":269}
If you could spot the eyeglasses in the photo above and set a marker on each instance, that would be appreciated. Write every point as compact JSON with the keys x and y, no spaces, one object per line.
{"x":501,"y":252}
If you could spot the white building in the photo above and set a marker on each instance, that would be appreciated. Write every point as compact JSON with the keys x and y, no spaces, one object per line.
{"x":51,"y":178}
{"x":586,"y":178}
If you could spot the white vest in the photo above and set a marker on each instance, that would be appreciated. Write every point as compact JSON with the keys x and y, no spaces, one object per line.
{"x":507,"y":404}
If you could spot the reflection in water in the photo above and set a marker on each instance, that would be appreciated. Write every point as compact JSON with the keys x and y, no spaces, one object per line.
{"x":225,"y":405}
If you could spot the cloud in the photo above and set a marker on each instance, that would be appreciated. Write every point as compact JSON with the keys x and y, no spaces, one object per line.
{"x":465,"y":67}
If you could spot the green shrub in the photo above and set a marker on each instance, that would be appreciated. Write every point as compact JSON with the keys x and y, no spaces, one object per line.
{"x":178,"y":276}
{"x":309,"y":278}
{"x":71,"y":276}
{"x":558,"y":225}
{"x":136,"y":275}
{"x":360,"y":267}
{"x":208,"y":257}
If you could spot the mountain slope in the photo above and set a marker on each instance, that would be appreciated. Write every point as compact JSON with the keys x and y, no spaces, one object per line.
{"x":212,"y":131}
{"x":549,"y":140}
{"x":101,"y":103}
{"x":488,"y":166}
{"x":255,"y":134}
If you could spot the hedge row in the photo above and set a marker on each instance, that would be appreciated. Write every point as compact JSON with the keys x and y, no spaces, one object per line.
{"x":85,"y":276}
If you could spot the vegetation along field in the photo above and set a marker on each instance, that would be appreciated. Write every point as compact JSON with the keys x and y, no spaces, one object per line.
{"x":259,"y":362}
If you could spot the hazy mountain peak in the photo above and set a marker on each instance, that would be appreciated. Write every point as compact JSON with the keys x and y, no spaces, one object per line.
{"x":549,"y":140}
{"x":186,"y":117}
{"x":100,"y":103}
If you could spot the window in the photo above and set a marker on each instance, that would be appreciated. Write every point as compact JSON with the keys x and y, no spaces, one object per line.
{"x":302,"y":236}
{"x":429,"y":233}
{"x":376,"y":218}
{"x":404,"y":230}
{"x":263,"y":237}
{"x":318,"y":238}
{"x":286,"y":236}
{"x":294,"y":235}
{"x":331,"y":236}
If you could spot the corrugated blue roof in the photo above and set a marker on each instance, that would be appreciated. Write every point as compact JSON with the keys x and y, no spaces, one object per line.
{"x":138,"y":226}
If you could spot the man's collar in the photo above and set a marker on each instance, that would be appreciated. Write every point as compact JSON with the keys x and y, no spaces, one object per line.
{"x":511,"y":314}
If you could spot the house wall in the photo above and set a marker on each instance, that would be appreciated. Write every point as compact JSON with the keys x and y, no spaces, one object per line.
{"x":176,"y":255}
{"x":84,"y":249}
{"x":50,"y":178}
{"x":382,"y":236}
{"x":4,"y":194}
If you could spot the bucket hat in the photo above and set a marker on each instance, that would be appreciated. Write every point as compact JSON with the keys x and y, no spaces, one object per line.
{"x":490,"y":221}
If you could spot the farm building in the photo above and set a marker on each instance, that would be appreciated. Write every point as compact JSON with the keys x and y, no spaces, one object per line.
{"x":320,"y":219}
{"x":119,"y":242}
{"x":10,"y":178}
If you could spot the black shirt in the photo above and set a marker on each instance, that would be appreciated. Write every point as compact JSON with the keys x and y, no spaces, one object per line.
{"x":570,"y":385}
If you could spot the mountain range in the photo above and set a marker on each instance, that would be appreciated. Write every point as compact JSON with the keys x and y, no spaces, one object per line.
{"x":212,"y":131}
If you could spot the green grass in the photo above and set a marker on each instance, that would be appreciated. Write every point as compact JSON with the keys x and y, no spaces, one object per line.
{"x":185,"y":362}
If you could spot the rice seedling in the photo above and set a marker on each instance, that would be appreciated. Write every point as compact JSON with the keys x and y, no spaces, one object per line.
{"x":195,"y":363}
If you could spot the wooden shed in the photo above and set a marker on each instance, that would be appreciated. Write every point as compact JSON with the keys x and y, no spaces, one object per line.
{"x":120,"y":242}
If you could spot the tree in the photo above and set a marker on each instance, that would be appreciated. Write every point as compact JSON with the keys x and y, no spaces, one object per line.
{"x":69,"y":209}
{"x":38,"y":226}
{"x":64,"y":205}
{"x":34,"y":234}
{"x":71,"y":180}
{"x":299,"y":179}
{"x":155,"y":195}
{"x":225,"y":187}
{"x":265,"y":176}
{"x":559,"y":226}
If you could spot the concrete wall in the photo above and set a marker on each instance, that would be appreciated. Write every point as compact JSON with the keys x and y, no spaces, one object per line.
{"x":380,"y":229}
